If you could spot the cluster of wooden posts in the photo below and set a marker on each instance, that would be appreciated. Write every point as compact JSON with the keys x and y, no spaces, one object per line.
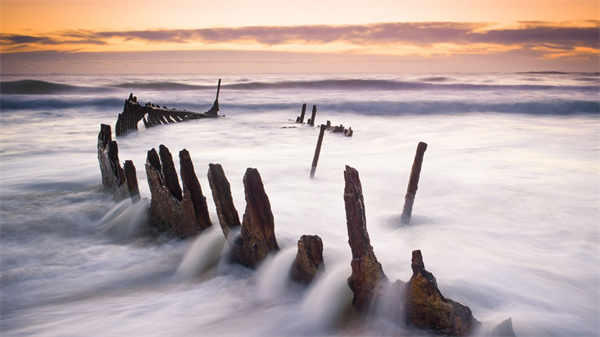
{"x":184,"y":212}
{"x":311,"y":122}
{"x":153,"y":115}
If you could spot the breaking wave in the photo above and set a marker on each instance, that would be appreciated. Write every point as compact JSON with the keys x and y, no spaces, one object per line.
{"x":35,"y":87}
{"x":384,"y":108}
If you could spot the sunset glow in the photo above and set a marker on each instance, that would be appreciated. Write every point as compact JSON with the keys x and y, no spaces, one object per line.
{"x":539,"y":30}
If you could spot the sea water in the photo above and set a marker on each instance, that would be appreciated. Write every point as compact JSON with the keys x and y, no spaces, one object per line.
{"x":506,"y":214}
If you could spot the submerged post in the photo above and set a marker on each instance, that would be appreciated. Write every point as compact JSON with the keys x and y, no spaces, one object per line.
{"x":317,"y":149}
{"x":301,"y":118}
{"x":413,"y":183}
{"x":311,"y":121}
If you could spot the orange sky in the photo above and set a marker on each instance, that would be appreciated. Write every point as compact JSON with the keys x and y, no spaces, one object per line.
{"x":424,"y":28}
{"x":43,"y":16}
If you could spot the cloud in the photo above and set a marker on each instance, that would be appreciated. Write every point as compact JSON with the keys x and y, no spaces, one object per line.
{"x":17,"y":40}
{"x":527,"y":35}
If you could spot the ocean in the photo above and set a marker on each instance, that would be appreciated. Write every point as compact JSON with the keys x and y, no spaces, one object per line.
{"x":506,"y":214}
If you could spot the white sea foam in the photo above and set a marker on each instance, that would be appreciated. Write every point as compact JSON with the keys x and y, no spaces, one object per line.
{"x":505,"y":215}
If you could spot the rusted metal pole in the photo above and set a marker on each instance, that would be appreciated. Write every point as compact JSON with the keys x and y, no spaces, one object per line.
{"x":317,"y":150}
{"x":413,"y":183}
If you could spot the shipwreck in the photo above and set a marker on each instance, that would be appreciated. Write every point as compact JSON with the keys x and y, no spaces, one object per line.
{"x":152,"y":114}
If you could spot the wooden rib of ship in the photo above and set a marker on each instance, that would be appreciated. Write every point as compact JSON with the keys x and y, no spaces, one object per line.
{"x":153,"y":115}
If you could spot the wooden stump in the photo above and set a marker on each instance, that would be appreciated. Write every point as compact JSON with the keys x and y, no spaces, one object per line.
{"x":309,"y":259}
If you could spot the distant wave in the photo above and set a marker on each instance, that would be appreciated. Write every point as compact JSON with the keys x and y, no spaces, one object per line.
{"x":34,"y":87}
{"x":544,"y":107}
{"x":7,"y":104}
{"x":161,"y":86}
{"x":549,"y":72}
{"x":434,"y":79}
{"x":554,"y":107}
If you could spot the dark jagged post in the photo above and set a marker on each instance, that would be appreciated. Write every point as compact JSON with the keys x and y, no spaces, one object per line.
{"x":221,"y":191}
{"x":367,"y":277}
{"x":215,"y":107}
{"x":317,"y":151}
{"x":131,"y":178}
{"x":257,"y":238}
{"x":301,"y":118}
{"x":413,"y":183}
{"x":311,"y":121}
{"x":193,"y":191}
{"x":169,"y":173}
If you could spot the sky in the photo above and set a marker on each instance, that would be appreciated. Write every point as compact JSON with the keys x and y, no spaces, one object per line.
{"x":395,"y":36}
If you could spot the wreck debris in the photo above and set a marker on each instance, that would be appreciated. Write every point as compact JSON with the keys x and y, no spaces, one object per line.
{"x":257,"y":238}
{"x":131,"y":179}
{"x":153,"y":115}
{"x":113,"y":176}
{"x":317,"y":152}
{"x":221,"y":191}
{"x":427,"y":308}
{"x":413,"y":183}
{"x":340,"y":129}
{"x":309,"y":259}
{"x":300,"y":119}
{"x":311,"y":120}
{"x":367,"y":280}
{"x":185,"y":214}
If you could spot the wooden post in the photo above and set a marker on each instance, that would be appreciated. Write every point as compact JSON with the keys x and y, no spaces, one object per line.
{"x":302,"y":113}
{"x":221,"y":191}
{"x":317,"y":149}
{"x":413,"y":183}
{"x":169,"y":173}
{"x":132,"y":183}
{"x":311,"y":121}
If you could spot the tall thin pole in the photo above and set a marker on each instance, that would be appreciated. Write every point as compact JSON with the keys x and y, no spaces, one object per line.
{"x":413,"y":183}
{"x":317,"y":151}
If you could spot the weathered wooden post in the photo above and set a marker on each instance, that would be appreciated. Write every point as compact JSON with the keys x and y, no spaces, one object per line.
{"x":413,"y":183}
{"x":311,"y":121}
{"x":221,"y":191}
{"x":131,"y":179}
{"x":300,"y":119}
{"x":317,"y":150}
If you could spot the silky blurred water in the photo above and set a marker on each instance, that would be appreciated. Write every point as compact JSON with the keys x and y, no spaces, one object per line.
{"x":506,"y":214}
